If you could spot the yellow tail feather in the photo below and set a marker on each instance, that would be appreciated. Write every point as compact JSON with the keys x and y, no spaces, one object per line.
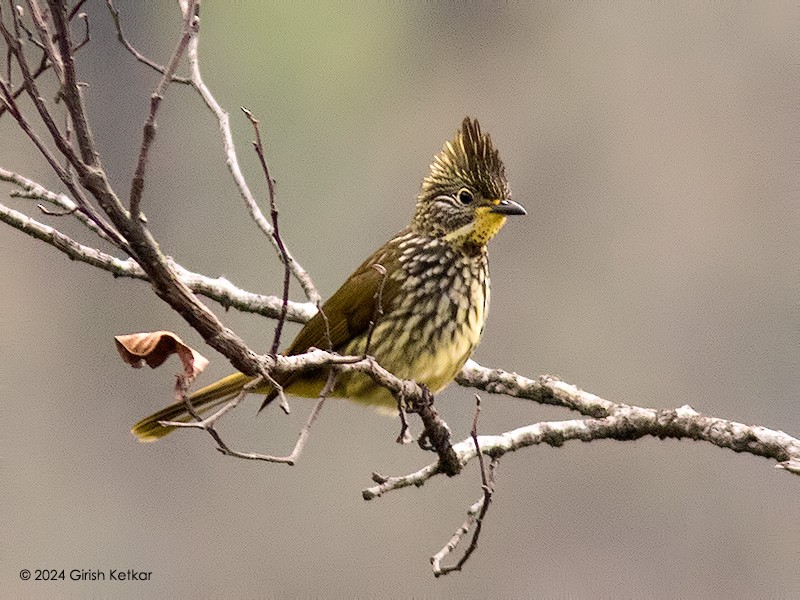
{"x":203,"y":400}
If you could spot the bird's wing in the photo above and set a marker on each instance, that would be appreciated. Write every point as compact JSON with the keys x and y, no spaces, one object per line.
{"x":351,"y":309}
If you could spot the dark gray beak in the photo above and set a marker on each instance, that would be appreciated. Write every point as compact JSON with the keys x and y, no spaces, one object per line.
{"x":508,"y":207}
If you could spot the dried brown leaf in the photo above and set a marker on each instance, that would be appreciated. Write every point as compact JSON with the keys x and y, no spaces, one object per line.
{"x":154,"y":347}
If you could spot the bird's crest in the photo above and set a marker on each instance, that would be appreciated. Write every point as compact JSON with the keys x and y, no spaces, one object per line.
{"x":469,"y":158}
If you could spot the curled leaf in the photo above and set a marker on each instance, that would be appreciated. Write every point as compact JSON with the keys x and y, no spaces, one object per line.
{"x":153,"y":348}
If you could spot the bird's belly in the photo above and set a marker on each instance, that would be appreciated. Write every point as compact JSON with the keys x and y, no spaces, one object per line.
{"x":434,"y":363}
{"x":427,"y":336}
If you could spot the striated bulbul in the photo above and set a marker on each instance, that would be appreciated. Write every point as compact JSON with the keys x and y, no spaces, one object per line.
{"x":434,"y":297}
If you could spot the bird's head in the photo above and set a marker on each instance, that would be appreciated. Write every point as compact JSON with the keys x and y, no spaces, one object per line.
{"x":465,"y":197}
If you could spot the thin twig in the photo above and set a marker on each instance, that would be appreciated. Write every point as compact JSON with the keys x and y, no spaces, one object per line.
{"x":135,"y":53}
{"x":328,"y":340}
{"x":36,"y":191}
{"x":273,"y":209}
{"x":208,"y":423}
{"x":229,"y":147}
{"x":74,"y":10}
{"x":56,"y":213}
{"x":11,"y":106}
{"x":86,"y":37}
{"x":46,"y":39}
{"x":44,"y":64}
{"x":378,"y":310}
{"x":19,"y":25}
{"x":474,"y":435}
{"x":473,"y":516}
{"x":149,"y":132}
{"x":9,"y":54}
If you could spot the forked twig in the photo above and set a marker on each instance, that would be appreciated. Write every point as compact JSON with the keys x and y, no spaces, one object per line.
{"x":476,"y":512}
{"x":135,"y":53}
{"x":475,"y":515}
{"x":208,"y":423}
{"x":47,"y":43}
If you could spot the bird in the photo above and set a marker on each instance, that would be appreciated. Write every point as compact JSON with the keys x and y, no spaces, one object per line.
{"x":431,"y":281}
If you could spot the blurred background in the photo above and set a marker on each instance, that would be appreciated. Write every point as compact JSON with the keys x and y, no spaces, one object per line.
{"x":655,"y":148}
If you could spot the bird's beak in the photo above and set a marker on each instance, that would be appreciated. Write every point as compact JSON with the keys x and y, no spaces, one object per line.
{"x":507,"y":207}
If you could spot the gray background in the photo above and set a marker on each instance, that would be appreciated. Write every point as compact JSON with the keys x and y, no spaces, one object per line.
{"x":654,"y":146}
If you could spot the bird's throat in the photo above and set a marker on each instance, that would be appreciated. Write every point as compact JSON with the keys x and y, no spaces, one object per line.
{"x":480,"y":230}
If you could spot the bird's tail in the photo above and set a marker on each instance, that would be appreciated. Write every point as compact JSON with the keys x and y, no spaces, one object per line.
{"x":203,"y":400}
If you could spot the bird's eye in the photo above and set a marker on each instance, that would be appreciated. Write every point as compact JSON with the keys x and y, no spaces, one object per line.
{"x":465,"y":196}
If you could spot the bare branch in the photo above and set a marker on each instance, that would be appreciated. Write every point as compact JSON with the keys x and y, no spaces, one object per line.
{"x":404,"y":437}
{"x":36,"y":191}
{"x":46,"y":39}
{"x":63,"y":145}
{"x":73,"y":249}
{"x":172,"y":283}
{"x":259,"y":148}
{"x":233,"y":165}
{"x":547,"y":389}
{"x":148,"y":135}
{"x":19,"y":24}
{"x":625,"y":424}
{"x":109,"y":233}
{"x":136,"y":54}
{"x":44,"y":64}
{"x":143,"y":246}
{"x":477,"y":511}
{"x":436,"y":435}
{"x":218,"y":289}
{"x":475,"y":515}
{"x":208,"y":423}
{"x":71,"y":93}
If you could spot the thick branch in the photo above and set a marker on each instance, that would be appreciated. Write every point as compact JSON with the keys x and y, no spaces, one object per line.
{"x":610,"y":420}
{"x":143,"y":246}
{"x":627,"y":423}
{"x":547,"y":389}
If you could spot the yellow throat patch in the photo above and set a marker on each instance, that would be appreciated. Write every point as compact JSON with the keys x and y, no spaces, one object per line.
{"x":483,"y":227}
